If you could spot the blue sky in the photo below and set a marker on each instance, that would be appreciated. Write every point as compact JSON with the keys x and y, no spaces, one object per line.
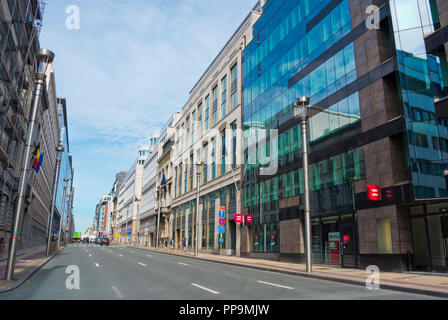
{"x":124,"y":72}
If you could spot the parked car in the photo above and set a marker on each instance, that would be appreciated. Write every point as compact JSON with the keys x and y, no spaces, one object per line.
{"x":105,"y":242}
{"x":97,"y":240}
{"x":86,"y":240}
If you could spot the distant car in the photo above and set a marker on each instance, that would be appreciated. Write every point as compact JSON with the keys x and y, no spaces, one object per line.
{"x":97,"y":240}
{"x":86,"y":240}
{"x":105,"y":242}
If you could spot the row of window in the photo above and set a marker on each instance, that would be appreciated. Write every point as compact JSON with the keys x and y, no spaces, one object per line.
{"x":328,"y":31}
{"x":335,"y":171}
{"x":208,"y":110}
{"x":209,"y":156}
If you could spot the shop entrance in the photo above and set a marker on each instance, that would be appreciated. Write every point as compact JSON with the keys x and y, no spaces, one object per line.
{"x":334,"y":241}
{"x":429,"y":225}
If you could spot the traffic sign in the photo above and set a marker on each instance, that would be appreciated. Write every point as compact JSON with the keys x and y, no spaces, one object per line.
{"x":222,"y":208}
{"x":222,"y":214}
{"x":221,"y":240}
{"x":222,"y":222}
{"x":249,"y":218}
{"x":221,"y":229}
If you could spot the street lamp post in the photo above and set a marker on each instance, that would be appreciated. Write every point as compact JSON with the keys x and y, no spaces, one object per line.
{"x":59,"y":151}
{"x":158,"y":216}
{"x":198,"y":176}
{"x":301,"y":112}
{"x":63,"y":208}
{"x":44,"y":58}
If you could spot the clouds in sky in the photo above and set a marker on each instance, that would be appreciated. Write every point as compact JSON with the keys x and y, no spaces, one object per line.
{"x":124,"y":72}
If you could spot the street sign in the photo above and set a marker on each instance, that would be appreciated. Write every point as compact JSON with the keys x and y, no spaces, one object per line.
{"x":222,"y":208}
{"x":249,"y":218}
{"x":222,"y":222}
{"x":239,"y":218}
{"x":221,"y":229}
{"x":221,"y":240}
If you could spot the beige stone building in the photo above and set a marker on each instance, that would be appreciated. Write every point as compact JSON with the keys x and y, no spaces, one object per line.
{"x":209,"y":130}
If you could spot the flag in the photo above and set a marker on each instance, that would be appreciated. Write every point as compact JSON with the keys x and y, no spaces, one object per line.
{"x":38,"y":159}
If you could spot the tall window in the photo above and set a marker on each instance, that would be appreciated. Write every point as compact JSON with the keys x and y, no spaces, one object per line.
{"x":224,"y":96}
{"x":215,"y":106}
{"x":182,"y":137}
{"x":233,"y":126}
{"x":213,"y":158}
{"x":223,"y":152}
{"x":175,"y":185}
{"x":205,"y":162}
{"x":207,"y":112}
{"x":180,"y":179}
{"x":186,"y":177}
{"x":191,"y":172}
{"x":187,"y":135}
{"x":200,"y":120}
{"x":193,"y":126}
{"x":234,"y":87}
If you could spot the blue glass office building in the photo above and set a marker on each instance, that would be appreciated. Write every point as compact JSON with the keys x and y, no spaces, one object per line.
{"x":373,"y":87}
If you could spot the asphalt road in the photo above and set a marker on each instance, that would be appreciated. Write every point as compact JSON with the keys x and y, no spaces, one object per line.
{"x":115,"y":272}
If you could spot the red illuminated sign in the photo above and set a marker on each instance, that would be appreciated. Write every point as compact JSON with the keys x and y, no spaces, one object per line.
{"x":239,"y":218}
{"x":249,"y":218}
{"x":346,"y":238}
{"x":389,"y":194}
{"x":374,"y":193}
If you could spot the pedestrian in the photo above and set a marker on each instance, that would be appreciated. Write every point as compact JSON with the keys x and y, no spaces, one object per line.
{"x":183,"y":243}
{"x":172,"y":243}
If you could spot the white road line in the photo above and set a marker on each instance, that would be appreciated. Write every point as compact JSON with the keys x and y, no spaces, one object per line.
{"x":120,"y":255}
{"x":90,"y":255}
{"x":203,"y":288}
{"x":97,"y":265}
{"x":275,"y":285}
{"x":118,"y":293}
{"x":142,"y":264}
{"x":148,"y":255}
{"x":184,"y":264}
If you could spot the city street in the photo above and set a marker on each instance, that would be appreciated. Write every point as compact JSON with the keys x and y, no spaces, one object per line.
{"x":116,"y":272}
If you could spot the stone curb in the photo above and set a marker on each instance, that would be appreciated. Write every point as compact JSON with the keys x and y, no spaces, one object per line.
{"x":20,"y":282}
{"x":314,"y":276}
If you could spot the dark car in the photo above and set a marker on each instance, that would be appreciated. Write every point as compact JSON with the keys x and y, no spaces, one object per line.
{"x":86,"y":240}
{"x":105,"y":241}
{"x":97,"y":240}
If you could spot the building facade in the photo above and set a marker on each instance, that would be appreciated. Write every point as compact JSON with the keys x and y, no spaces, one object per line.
{"x":130,"y":195}
{"x":165,"y":180}
{"x":372,"y":123}
{"x":147,"y":216}
{"x":17,"y":68}
{"x":208,"y":131}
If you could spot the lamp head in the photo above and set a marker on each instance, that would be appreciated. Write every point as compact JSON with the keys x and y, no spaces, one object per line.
{"x":44,"y":58}
{"x":301,"y":108}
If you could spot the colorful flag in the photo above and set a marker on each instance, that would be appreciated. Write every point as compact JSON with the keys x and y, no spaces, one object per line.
{"x":38,"y":159}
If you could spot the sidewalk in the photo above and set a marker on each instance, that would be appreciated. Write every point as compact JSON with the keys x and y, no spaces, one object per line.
{"x":430,"y":284}
{"x":28,"y":261}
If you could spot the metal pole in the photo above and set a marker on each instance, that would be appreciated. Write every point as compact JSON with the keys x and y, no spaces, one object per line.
{"x":197,"y":215}
{"x":62,"y":216}
{"x":18,"y":212}
{"x":158,"y":217}
{"x":307,"y":197}
{"x":59,"y":151}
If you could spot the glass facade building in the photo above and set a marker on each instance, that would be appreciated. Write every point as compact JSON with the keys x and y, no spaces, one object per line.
{"x":372,"y":122}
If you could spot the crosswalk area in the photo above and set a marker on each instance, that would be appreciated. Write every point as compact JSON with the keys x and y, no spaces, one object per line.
{"x":93,"y":245}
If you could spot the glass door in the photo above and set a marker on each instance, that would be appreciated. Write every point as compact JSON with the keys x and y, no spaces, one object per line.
{"x":348,"y":244}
